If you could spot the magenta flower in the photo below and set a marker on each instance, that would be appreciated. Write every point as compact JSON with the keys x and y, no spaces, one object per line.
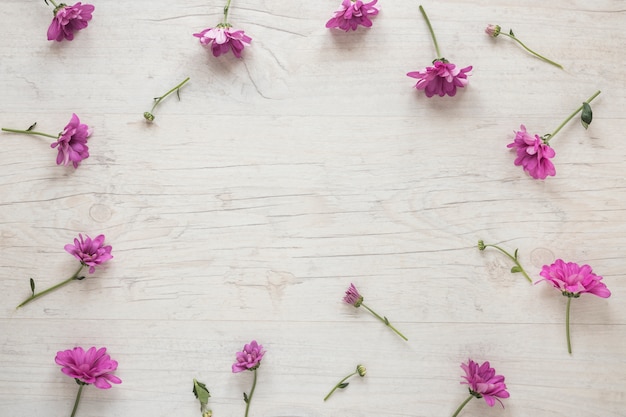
{"x":353,"y":13}
{"x":484,"y":383}
{"x":90,"y":252}
{"x":573,"y":280}
{"x":72,"y":143}
{"x":249,"y":359}
{"x":69,"y":19}
{"x":91,"y":367}
{"x":533,"y":154}
{"x":441,"y":79}
{"x":224,"y":38}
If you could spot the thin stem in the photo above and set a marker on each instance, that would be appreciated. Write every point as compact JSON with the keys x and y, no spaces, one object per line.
{"x":159,"y":99}
{"x":339,"y":383}
{"x":251,"y":394}
{"x":53,"y":3}
{"x":80,"y":391}
{"x":226,"y":10}
{"x":384,"y":320}
{"x":571,"y":116}
{"x":569,"y":343}
{"x":549,"y":61}
{"x":514,"y":260}
{"x":59,"y":285}
{"x":30,"y":132}
{"x":432,"y":32}
{"x":458,"y":410}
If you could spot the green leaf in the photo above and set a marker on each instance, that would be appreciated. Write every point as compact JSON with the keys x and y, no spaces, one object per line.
{"x":32,"y":286}
{"x":245,"y":398}
{"x":516,"y":269}
{"x":511,"y":32}
{"x":201,"y":392}
{"x":343,"y":385}
{"x":31,"y":127}
{"x":386,"y":321}
{"x":515,"y":254}
{"x":586,"y":115}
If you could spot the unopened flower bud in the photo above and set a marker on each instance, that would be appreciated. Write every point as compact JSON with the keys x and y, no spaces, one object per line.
{"x":148,"y":116}
{"x":207,"y":413}
{"x":481,"y":245}
{"x":361,"y":370}
{"x":493,"y":30}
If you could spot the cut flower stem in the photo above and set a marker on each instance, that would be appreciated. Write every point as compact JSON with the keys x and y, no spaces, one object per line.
{"x":385,"y":321}
{"x":463,"y":404}
{"x":543,"y":58}
{"x":226,"y":10}
{"x":80,"y":391}
{"x":569,"y":343}
{"x":30,"y":132}
{"x":249,"y":398}
{"x":482,"y":246}
{"x":432,"y":32}
{"x":549,"y":137}
{"x":360,"y":370}
{"x":59,"y":285}
{"x":148,"y":115}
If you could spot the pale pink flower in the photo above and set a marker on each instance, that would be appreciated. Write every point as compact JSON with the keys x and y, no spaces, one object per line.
{"x":90,"y":252}
{"x":91,"y":367}
{"x":353,"y":13}
{"x":72,"y":143}
{"x":249,"y":358}
{"x":573,"y":279}
{"x":69,"y":19}
{"x":533,"y":154}
{"x":441,"y":79}
{"x":484,"y":383}
{"x":352,"y":296}
{"x":493,"y":30}
{"x":224,"y":38}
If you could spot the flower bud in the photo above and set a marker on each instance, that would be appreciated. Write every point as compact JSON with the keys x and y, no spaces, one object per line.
{"x":481,"y":245}
{"x":361,"y":370}
{"x":493,"y":30}
{"x":207,"y":413}
{"x":148,"y":116}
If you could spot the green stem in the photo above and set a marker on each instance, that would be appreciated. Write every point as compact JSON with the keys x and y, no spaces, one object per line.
{"x":432,"y":32}
{"x":53,"y":3}
{"x":571,"y":116}
{"x":159,"y":99}
{"x":384,"y":320}
{"x":30,"y":132}
{"x":80,"y":391}
{"x":226,"y":10}
{"x":458,"y":410}
{"x":569,"y":343}
{"x":59,"y":285}
{"x":514,"y":260}
{"x":339,"y":383}
{"x":251,"y":394}
{"x":543,"y":58}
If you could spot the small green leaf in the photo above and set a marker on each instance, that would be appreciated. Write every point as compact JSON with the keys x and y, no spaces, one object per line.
{"x":245,"y":398}
{"x":516,"y":269}
{"x":343,"y":385}
{"x":511,"y":32}
{"x":515,"y":254}
{"x":586,"y":115}
{"x":201,"y":392}
{"x":386,"y":321}
{"x":178,"y":93}
{"x":31,"y":127}
{"x":32,"y":286}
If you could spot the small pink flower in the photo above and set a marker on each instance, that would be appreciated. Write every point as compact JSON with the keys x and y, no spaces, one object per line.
{"x":90,"y":252}
{"x":572,"y":279}
{"x":533,"y":154}
{"x":493,"y":30}
{"x":353,"y":13}
{"x":224,"y":38}
{"x":352,"y":296}
{"x":484,"y":383}
{"x":91,"y":367}
{"x":249,"y":358}
{"x":72,"y":143}
{"x":69,"y":19}
{"x":441,"y":79}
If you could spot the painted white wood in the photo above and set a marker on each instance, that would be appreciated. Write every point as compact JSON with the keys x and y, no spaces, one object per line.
{"x":246,"y":209}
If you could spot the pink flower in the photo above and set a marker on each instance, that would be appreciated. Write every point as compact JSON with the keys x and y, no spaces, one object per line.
{"x":533,"y":154}
{"x":249,"y":358}
{"x":353,"y":13}
{"x":352,"y":296}
{"x":69,"y":19}
{"x":441,"y":79}
{"x":91,"y":367}
{"x":90,"y":252}
{"x":484,"y":383}
{"x":572,"y":279}
{"x":72,"y":143}
{"x":493,"y":30}
{"x":224,"y":38}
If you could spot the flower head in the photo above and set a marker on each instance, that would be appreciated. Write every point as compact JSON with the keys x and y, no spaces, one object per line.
{"x":353,"y":13}
{"x":441,"y":79}
{"x":493,"y":30}
{"x":249,"y":358}
{"x":91,"y":367}
{"x":533,"y":154}
{"x":572,"y":279}
{"x":224,"y":38}
{"x":484,"y":383}
{"x":69,"y":19}
{"x":90,"y":252}
{"x":353,"y":297}
{"x":72,"y":143}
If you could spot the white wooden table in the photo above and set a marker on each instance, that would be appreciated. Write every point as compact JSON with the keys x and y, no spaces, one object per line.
{"x":247,"y":208}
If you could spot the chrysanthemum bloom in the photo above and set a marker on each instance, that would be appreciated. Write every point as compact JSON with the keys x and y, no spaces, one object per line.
{"x":69,"y":19}
{"x":249,"y":359}
{"x":91,"y":367}
{"x":72,"y":143}
{"x":533,"y":154}
{"x":224,"y":38}
{"x":353,"y":13}
{"x":90,"y":252}
{"x":484,"y":383}
{"x":441,"y":79}
{"x":573,"y":280}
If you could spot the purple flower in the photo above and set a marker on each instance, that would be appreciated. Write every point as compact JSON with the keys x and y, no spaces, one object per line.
{"x":441,"y":79}
{"x":249,"y":358}
{"x":533,"y":154}
{"x":484,"y":383}
{"x":573,"y":279}
{"x":353,"y":13}
{"x":91,"y":367}
{"x":90,"y":252}
{"x":352,"y":296}
{"x":72,"y":143}
{"x":224,"y":38}
{"x":69,"y":19}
